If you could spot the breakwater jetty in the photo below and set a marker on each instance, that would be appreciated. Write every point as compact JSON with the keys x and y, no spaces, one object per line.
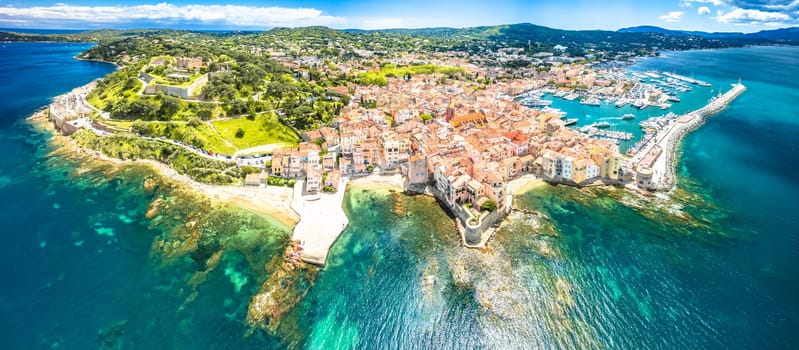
{"x":654,"y":162}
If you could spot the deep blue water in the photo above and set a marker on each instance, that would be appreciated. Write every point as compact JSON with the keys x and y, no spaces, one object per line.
{"x":77,"y":258}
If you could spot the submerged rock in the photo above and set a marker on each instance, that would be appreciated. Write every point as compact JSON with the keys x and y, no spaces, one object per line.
{"x":399,"y":204}
{"x":149,"y":184}
{"x":429,"y":278}
{"x":543,"y":248}
{"x":154,"y":208}
{"x":564,"y":290}
{"x":460,"y":274}
{"x":285,"y":287}
{"x":111,"y":337}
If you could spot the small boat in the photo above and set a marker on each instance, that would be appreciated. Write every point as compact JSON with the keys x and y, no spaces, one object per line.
{"x":557,"y":111}
{"x":570,"y":121}
{"x":602,"y":125}
{"x":592,"y":101}
{"x":536,"y":102}
{"x":621,"y":103}
{"x":628,"y":116}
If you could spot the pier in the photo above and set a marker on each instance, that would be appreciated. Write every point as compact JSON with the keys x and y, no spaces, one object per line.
{"x":654,"y":162}
{"x":686,"y":79}
{"x":322,"y":220}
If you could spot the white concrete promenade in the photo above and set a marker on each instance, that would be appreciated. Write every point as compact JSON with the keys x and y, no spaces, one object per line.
{"x":322,"y":220}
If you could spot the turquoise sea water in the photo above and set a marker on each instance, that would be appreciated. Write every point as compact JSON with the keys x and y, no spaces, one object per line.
{"x":588,"y":272}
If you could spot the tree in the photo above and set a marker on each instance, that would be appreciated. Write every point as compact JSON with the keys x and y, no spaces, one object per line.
{"x":169,"y":106}
{"x":194,"y":122}
{"x":140,"y":127}
{"x":239,"y":133}
{"x":489,"y":205}
{"x":425,"y":117}
{"x":205,"y":114}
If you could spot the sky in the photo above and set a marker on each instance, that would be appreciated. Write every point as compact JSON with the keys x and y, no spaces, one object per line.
{"x":705,"y":15}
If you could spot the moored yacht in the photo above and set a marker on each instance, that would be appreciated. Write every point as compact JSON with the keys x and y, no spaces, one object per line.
{"x":591,"y":101}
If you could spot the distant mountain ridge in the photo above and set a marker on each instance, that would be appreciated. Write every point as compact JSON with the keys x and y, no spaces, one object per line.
{"x":782,"y":34}
{"x":642,"y":40}
{"x":522,"y":32}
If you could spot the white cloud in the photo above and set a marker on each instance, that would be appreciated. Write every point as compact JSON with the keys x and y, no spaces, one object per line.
{"x":742,"y":16}
{"x":673,"y":16}
{"x":689,"y":3}
{"x":703,"y":10}
{"x":230,"y":15}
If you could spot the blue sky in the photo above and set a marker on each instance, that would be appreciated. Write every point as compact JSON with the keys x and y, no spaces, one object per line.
{"x":708,"y":15}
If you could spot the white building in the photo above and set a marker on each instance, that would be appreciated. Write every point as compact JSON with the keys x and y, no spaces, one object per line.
{"x":567,"y":166}
{"x":591,"y":171}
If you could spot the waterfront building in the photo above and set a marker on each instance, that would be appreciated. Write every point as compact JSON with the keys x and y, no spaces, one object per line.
{"x":591,"y":171}
{"x":643,"y":178}
{"x":417,"y":169}
{"x":567,"y":165}
{"x":549,"y":162}
{"x":579,"y":171}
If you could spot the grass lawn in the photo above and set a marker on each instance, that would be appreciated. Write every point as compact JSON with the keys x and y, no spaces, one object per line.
{"x":265,"y":129}
{"x":199,"y":135}
{"x":111,"y":94}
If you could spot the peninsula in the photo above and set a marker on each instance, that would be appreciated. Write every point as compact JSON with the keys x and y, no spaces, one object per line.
{"x":458,"y":125}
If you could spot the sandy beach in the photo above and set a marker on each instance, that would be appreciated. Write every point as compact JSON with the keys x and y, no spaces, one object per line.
{"x":389,"y":182}
{"x":525,"y":183}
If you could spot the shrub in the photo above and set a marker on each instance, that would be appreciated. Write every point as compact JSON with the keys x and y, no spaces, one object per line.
{"x":194,"y":122}
{"x":489,"y":205}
